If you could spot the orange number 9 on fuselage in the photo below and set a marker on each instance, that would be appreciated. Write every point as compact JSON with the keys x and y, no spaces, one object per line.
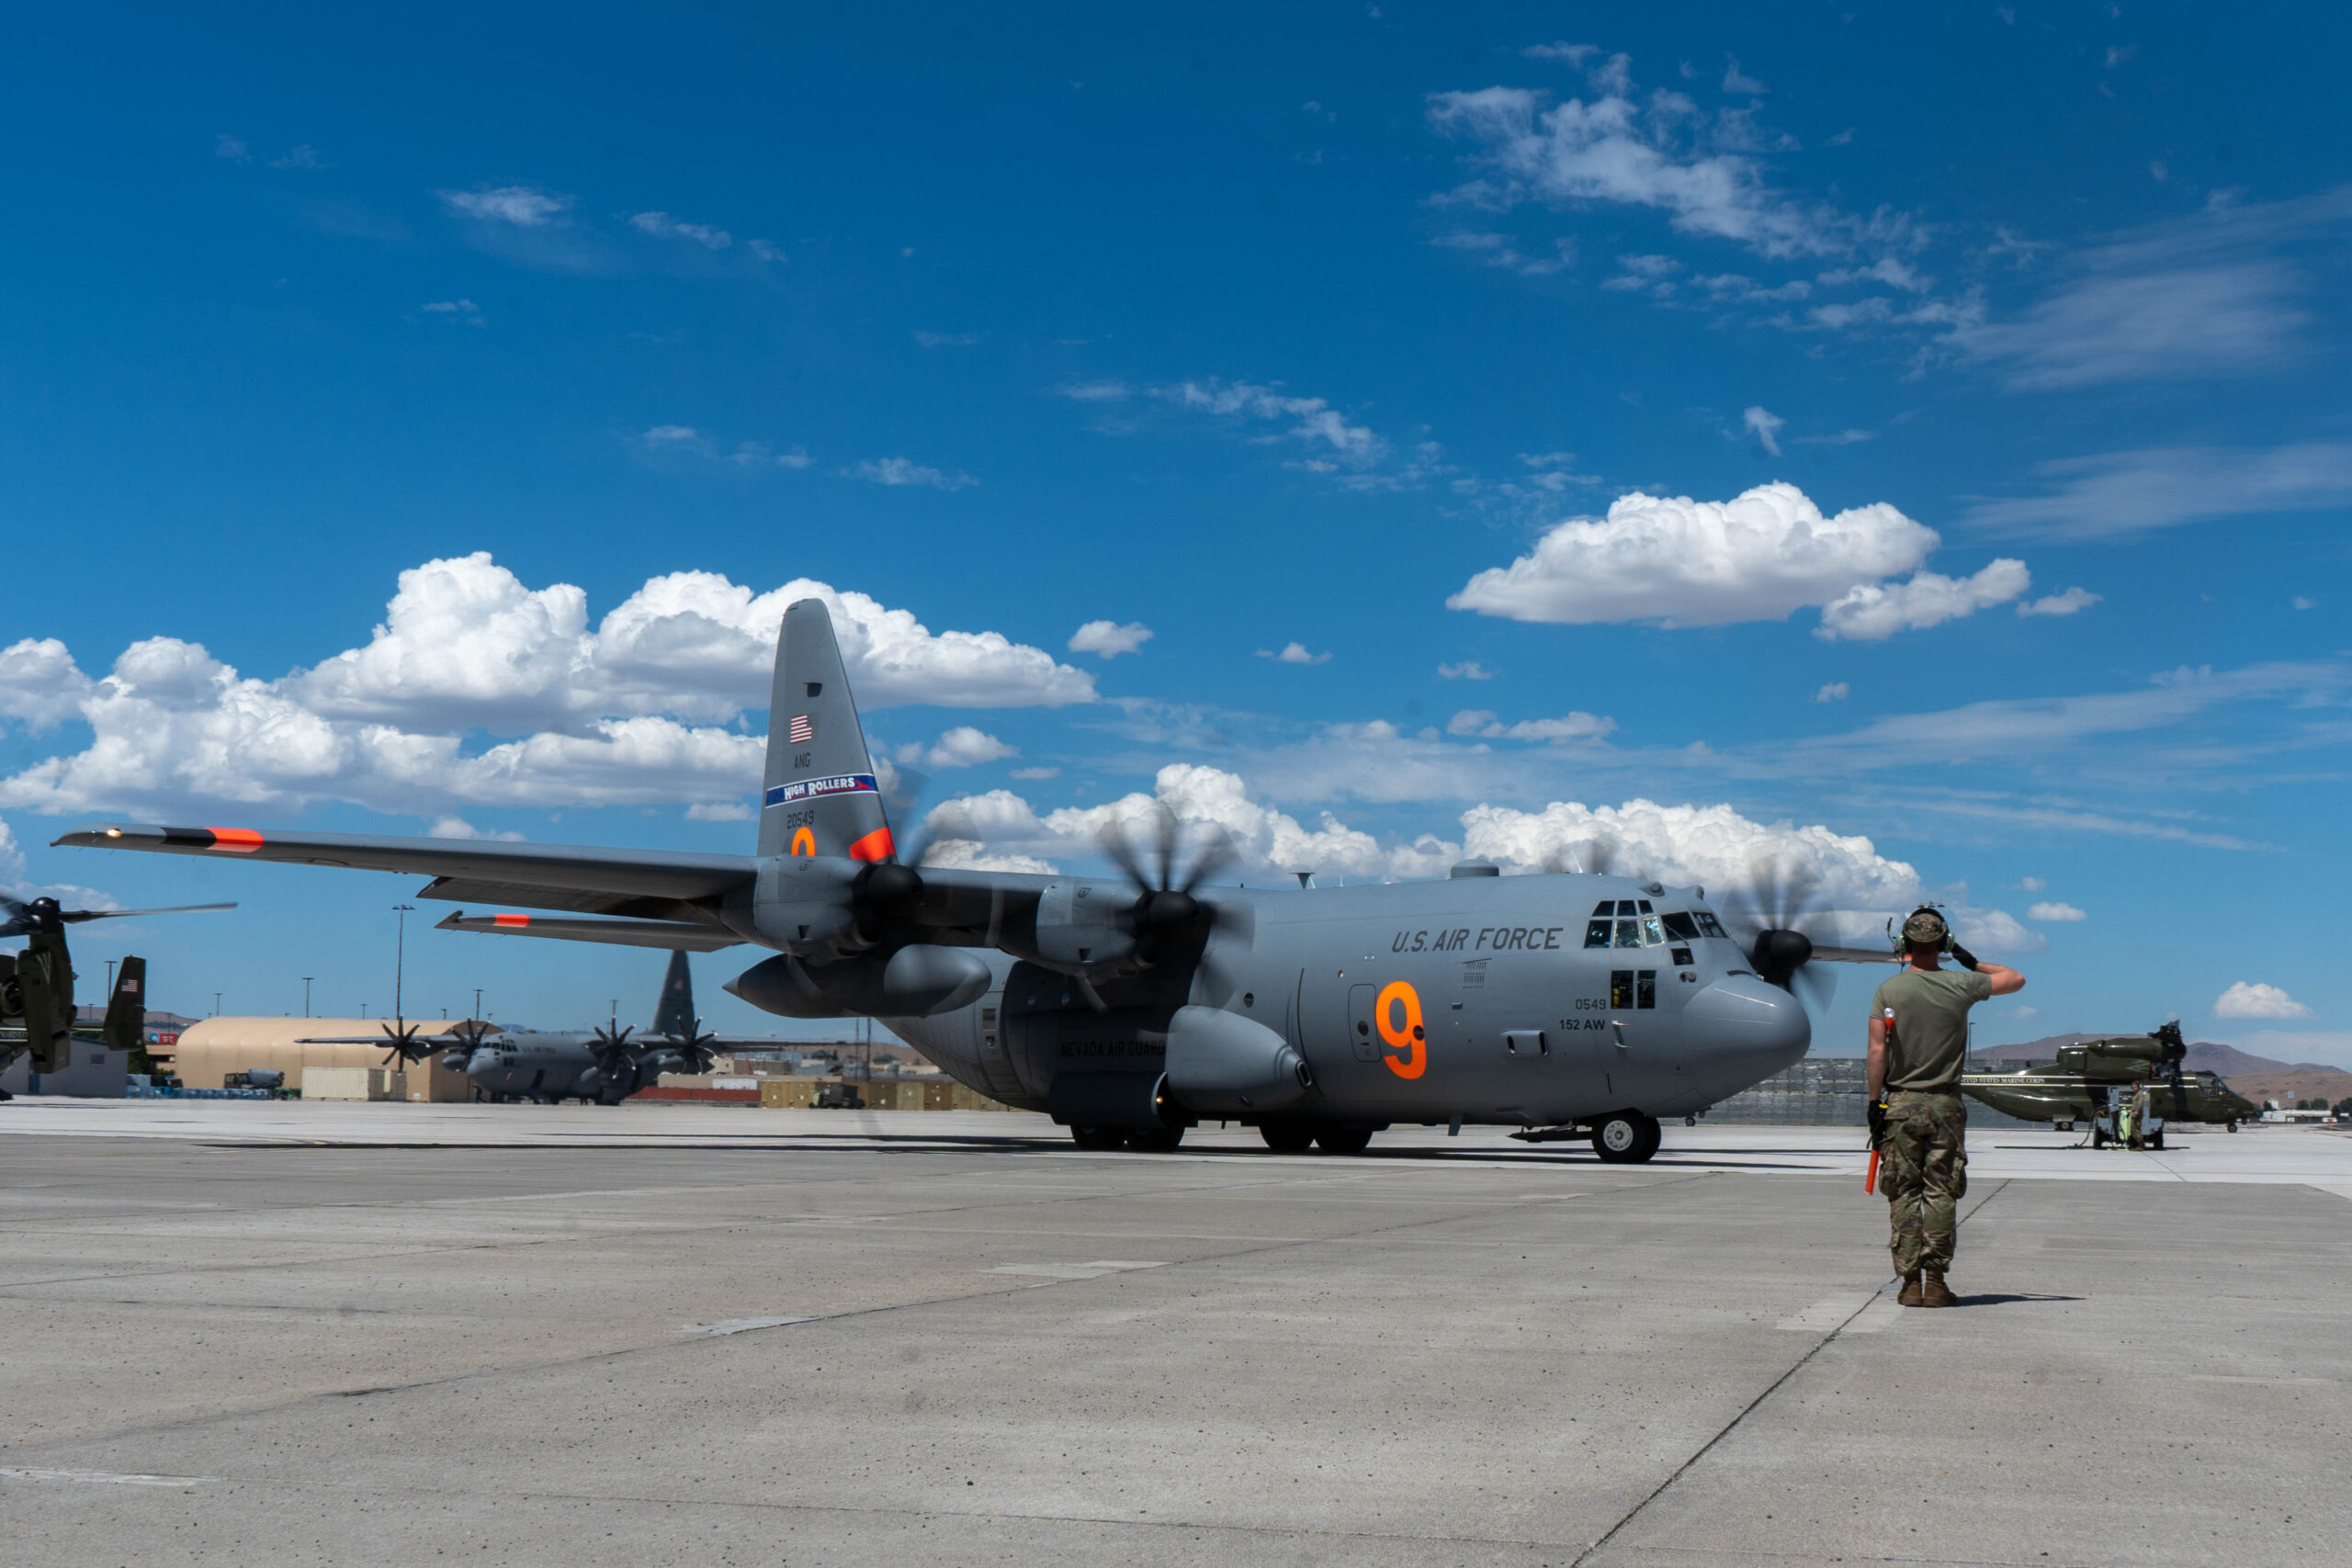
{"x":1398,"y":1014}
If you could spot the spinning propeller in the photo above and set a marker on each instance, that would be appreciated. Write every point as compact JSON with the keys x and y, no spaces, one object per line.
{"x":697,"y":1050}
{"x":1596,"y":856}
{"x":405,"y":1048}
{"x":1767,"y":913}
{"x":615,"y":1063}
{"x":24,"y":917}
{"x":470,"y":1036}
{"x":1172,"y":925}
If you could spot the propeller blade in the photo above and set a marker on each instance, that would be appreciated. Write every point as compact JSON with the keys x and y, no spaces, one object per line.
{"x":1216,"y":855}
{"x":1167,"y":826}
{"x":74,"y":917}
{"x":1114,"y":846}
{"x":1816,"y":987}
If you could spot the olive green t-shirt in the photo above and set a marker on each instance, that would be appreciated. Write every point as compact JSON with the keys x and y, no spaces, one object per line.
{"x":1930,"y":1043}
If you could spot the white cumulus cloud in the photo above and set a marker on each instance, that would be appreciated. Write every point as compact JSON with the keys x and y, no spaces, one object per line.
{"x":1711,"y":845}
{"x":1871,"y":611}
{"x":1834,"y":691}
{"x":962,"y":747}
{"x":1108,"y":639}
{"x":1760,"y":556}
{"x":1764,"y":425}
{"x":2255,"y":999}
{"x":2061,"y":912}
{"x":2066,"y":603}
{"x":1294,"y":653}
{"x":623,"y":711}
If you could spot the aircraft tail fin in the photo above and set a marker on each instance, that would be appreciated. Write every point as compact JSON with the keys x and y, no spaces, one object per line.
{"x":127,"y":1009}
{"x":819,"y":796}
{"x":674,"y":1014}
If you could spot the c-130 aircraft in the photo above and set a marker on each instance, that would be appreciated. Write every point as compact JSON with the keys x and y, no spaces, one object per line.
{"x":1131,"y":1008}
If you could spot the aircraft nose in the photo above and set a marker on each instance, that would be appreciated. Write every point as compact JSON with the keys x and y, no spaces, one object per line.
{"x":1741,"y":1017}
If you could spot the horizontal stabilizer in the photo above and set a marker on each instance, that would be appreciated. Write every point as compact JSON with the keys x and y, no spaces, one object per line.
{"x":673,"y":934}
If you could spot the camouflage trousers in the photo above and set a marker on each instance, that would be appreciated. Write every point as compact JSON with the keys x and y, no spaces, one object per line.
{"x":1923,"y":1170}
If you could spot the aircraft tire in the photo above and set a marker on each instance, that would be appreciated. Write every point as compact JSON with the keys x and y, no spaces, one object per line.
{"x":2233,"y":1123}
{"x":1626,"y":1138}
{"x":1156,"y":1140}
{"x":1343,"y":1137}
{"x":1098,"y":1140}
{"x":1286,"y":1135}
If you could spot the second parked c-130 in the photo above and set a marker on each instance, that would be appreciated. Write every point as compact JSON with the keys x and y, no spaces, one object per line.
{"x":1130,"y":1008}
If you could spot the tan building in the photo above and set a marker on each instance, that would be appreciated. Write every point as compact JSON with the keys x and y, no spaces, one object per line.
{"x":212,"y":1048}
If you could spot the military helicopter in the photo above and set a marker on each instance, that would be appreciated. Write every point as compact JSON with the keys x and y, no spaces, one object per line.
{"x":1130,"y":1008}
{"x":2127,"y":1088}
{"x":37,"y":984}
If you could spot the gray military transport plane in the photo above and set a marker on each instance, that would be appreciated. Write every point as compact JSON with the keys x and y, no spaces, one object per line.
{"x":603,"y":1067}
{"x":1131,"y":1008}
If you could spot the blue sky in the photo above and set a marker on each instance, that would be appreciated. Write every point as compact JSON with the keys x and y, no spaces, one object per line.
{"x":1724,"y":433}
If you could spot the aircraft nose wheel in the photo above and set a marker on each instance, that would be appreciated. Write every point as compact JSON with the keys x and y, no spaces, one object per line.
{"x":1627,"y":1138}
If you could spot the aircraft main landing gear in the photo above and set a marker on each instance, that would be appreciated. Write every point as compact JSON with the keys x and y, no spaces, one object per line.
{"x":1287,"y":1136}
{"x":1626,"y":1138}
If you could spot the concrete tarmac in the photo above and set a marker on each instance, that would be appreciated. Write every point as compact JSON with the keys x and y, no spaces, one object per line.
{"x":249,"y":1333}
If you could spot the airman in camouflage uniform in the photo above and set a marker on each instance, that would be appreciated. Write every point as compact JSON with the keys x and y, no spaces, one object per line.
{"x":1918,"y":1045}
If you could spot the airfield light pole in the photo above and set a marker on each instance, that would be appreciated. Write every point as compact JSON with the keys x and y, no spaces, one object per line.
{"x":400,"y":955}
{"x":216,"y":1004}
{"x":110,"y":990}
{"x":477,"y":1004}
{"x":306,"y":995}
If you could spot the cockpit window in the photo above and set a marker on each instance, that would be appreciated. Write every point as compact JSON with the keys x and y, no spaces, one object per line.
{"x":1625,"y":906}
{"x":1651,"y":936}
{"x":1682,"y":928}
{"x":1595,"y":932}
{"x":1708,"y":926}
{"x":1644,"y":905}
{"x":1629,"y":933}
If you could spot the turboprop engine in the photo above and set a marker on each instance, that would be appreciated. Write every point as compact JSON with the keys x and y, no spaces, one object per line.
{"x":912,"y":982}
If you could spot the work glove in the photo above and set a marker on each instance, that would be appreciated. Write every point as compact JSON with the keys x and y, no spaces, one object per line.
{"x":1963,"y":957}
{"x":1877,"y":1121}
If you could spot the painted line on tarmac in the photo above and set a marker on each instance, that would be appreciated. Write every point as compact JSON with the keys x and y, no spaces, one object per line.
{"x":1095,"y":1270}
{"x":740,"y":1325}
{"x":104,"y":1477}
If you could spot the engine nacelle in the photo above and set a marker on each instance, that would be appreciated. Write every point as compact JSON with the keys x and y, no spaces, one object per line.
{"x":914,"y":982}
{"x":803,"y":905}
{"x":1221,"y":1062}
{"x":1078,"y":926}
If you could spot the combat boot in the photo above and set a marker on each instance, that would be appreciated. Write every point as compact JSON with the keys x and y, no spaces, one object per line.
{"x":1908,"y":1296}
{"x":1934,"y":1292}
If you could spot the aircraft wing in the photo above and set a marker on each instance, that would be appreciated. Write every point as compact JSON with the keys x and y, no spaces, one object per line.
{"x":627,"y":934}
{"x":662,"y":882}
{"x":1832,"y":954}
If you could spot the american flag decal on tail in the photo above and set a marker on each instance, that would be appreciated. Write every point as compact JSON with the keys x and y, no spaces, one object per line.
{"x":803,"y":730}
